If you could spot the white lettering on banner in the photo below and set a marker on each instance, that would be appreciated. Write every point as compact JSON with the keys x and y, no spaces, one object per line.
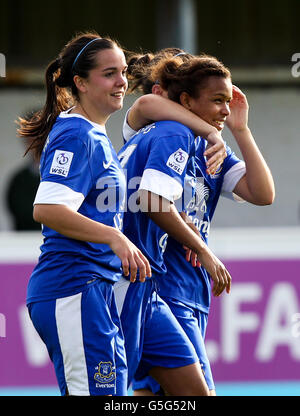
{"x":296,"y":325}
{"x":234,"y":322}
{"x":2,"y":326}
{"x":276,"y":329}
{"x":35,"y":350}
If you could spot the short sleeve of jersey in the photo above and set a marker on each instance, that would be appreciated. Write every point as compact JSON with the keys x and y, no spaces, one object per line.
{"x":65,"y":171}
{"x":235,"y":170}
{"x":166,"y":166}
{"x":128,"y":132}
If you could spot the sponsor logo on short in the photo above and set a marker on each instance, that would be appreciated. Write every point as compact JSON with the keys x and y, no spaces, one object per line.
{"x":61,"y":163}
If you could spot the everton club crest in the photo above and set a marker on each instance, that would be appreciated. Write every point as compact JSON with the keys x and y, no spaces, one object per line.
{"x":106,"y":372}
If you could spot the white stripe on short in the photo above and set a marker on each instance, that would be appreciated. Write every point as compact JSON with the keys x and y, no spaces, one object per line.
{"x":68,"y":321}
{"x":120,"y":290}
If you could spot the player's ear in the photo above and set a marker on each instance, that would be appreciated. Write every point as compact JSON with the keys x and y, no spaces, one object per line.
{"x":80,"y":83}
{"x":156,"y":89}
{"x":185,"y":100}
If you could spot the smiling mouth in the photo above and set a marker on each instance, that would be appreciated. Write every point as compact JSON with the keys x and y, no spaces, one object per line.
{"x":118,"y":95}
{"x":220,"y":124}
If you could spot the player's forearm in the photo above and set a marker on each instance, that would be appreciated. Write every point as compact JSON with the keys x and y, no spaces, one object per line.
{"x":152,"y":107}
{"x":189,"y":222}
{"x":259,"y":180}
{"x":166,"y":216}
{"x":73,"y":225}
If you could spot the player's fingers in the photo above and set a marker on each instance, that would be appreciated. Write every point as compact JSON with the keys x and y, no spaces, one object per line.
{"x":216,"y":157}
{"x":215,"y":284}
{"x":145,"y":264}
{"x":214,"y":166}
{"x":188,"y":254}
{"x":133,"y":270}
{"x":142,"y":269}
{"x":221,"y":285}
{"x":224,"y":280}
{"x":125,"y":267}
{"x":228,"y":285}
{"x":216,"y":148}
{"x":194,"y":258}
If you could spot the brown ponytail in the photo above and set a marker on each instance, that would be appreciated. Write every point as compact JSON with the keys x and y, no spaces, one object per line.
{"x":37,"y":128}
{"x":137,"y":73}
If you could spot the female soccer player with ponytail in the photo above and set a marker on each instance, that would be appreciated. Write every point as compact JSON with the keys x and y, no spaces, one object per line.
{"x":70,"y":297}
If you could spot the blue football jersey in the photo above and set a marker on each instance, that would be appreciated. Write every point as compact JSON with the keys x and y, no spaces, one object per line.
{"x":79,"y":168}
{"x":155,"y":159}
{"x":188,"y":284}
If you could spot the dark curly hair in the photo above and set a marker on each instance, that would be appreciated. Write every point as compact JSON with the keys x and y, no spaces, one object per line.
{"x":139,"y":67}
{"x":190,"y":76}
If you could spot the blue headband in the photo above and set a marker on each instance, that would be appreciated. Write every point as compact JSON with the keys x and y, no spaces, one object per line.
{"x":81,"y":50}
{"x":180,"y":53}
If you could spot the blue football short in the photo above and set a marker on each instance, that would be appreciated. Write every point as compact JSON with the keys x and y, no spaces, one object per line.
{"x":84,"y":340}
{"x":194,"y":323}
{"x":153,"y":336}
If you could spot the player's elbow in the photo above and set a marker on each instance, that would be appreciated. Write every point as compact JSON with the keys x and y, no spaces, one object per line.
{"x":266,"y":199}
{"x":270,"y":199}
{"x":38,"y":214}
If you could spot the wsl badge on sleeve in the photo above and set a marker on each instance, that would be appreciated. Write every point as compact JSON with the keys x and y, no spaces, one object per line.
{"x":61,"y":163}
{"x":178,"y":160}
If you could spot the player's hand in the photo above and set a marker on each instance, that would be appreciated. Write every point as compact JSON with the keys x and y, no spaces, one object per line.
{"x":191,"y":257}
{"x":132,"y":259}
{"x":219,"y":274}
{"x":215,"y":152}
{"x":239,"y":108}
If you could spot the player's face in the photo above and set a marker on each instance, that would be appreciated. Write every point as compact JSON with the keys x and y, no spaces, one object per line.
{"x":212,"y":104}
{"x":107,"y":83}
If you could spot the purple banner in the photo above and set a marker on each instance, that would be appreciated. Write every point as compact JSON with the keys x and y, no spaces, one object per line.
{"x":253,"y":333}
{"x":24,"y":360}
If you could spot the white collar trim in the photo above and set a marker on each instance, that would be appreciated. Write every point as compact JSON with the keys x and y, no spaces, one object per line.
{"x":66,"y":114}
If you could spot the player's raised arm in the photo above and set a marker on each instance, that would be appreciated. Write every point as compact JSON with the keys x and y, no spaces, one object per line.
{"x":257,"y":185}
